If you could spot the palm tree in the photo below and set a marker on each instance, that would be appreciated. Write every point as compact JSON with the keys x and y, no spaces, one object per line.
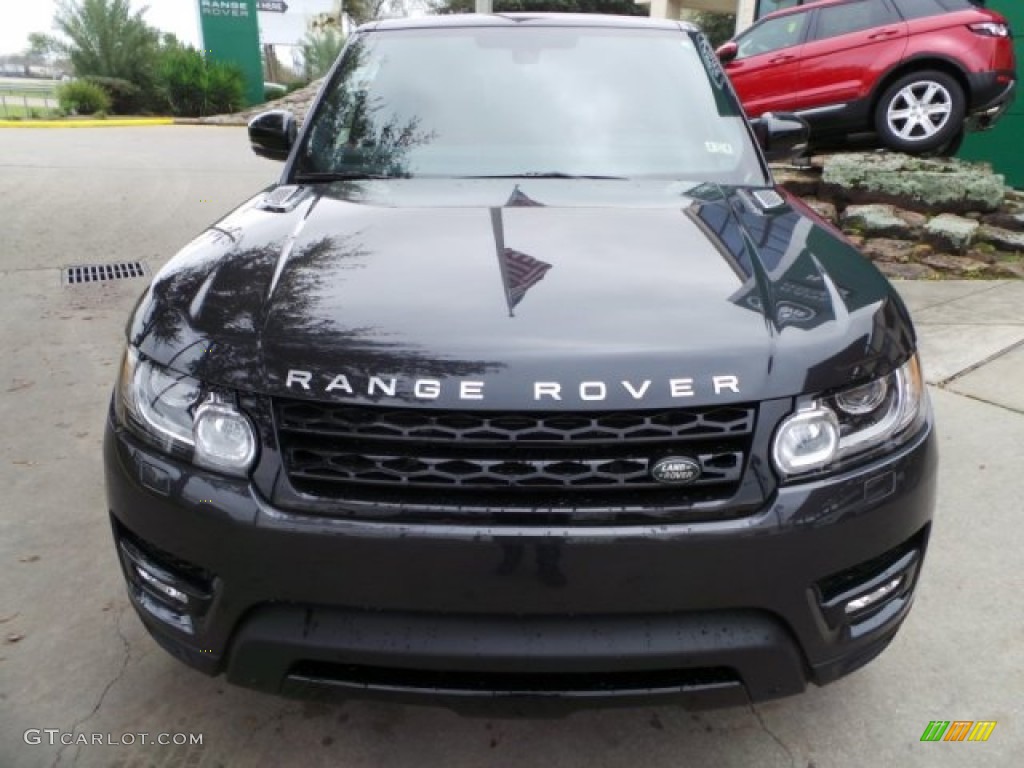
{"x":104,"y":38}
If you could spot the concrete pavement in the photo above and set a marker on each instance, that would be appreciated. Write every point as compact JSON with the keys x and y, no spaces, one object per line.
{"x":74,"y":657}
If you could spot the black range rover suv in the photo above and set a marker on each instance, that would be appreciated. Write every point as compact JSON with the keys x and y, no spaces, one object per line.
{"x":524,"y":381}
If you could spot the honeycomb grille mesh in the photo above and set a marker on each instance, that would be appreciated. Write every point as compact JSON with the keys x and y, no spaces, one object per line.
{"x":339,"y":449}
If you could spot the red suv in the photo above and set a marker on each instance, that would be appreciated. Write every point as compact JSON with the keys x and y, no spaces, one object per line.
{"x":917,"y":72}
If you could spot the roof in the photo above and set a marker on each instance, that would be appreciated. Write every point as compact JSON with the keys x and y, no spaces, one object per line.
{"x":456,"y":20}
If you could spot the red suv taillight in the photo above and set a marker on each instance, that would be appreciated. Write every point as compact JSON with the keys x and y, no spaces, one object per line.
{"x":990,"y":29}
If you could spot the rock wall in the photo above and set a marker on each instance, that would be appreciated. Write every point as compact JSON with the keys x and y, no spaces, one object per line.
{"x":297,"y":102}
{"x":918,"y":218}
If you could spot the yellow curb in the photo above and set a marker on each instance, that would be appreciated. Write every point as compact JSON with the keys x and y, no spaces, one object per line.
{"x":111,"y":123}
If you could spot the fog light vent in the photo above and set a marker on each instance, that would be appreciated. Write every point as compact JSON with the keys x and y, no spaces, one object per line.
{"x":161,"y":586}
{"x":79,"y":274}
{"x":165,"y":587}
{"x":872,"y":590}
{"x":874,"y":596}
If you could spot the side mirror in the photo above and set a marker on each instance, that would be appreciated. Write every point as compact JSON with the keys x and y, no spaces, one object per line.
{"x":272,"y":134}
{"x":782,"y":135}
{"x":727,"y":52}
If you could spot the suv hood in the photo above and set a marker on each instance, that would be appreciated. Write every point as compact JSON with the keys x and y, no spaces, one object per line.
{"x":483,"y":297}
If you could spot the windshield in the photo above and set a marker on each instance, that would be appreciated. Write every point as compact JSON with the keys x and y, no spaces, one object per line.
{"x":551,"y":101}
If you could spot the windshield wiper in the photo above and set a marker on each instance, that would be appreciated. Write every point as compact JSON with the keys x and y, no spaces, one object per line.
{"x":328,"y":176}
{"x":544,"y":175}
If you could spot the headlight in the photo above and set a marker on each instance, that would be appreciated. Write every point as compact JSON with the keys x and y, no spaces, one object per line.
{"x":172,"y":412}
{"x":157,"y":404}
{"x":856,"y":422}
{"x":225,"y":439}
{"x":807,"y":440}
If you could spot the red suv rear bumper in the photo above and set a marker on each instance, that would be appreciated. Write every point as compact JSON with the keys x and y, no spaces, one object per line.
{"x":992,"y":94}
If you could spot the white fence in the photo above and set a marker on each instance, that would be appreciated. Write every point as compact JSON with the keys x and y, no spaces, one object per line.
{"x":18,"y":97}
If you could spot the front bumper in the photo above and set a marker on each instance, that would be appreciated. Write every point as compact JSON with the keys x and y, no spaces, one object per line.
{"x":711,"y":612}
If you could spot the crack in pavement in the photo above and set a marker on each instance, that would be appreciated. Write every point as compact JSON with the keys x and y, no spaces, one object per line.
{"x":771,"y":733}
{"x":99,"y":702}
{"x":953,"y":299}
{"x":983,"y":401}
{"x":980,"y":364}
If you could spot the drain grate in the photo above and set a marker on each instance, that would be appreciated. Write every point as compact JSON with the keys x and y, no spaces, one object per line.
{"x":101,"y":273}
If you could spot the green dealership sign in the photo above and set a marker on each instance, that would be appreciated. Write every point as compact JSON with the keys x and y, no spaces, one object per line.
{"x":1002,"y":145}
{"x":231,"y":33}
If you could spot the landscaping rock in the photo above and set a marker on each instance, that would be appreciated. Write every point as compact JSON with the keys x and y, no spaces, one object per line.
{"x":989,"y":254}
{"x":800,"y":183}
{"x":1002,"y":239}
{"x":826,"y":210}
{"x":916,"y":220}
{"x":887,"y":249}
{"x":956,"y":266}
{"x":1008,"y":269}
{"x":1011,"y":221}
{"x":928,"y":185}
{"x":975,"y":228}
{"x":950,"y":232}
{"x":906,"y":271}
{"x":876,"y":220}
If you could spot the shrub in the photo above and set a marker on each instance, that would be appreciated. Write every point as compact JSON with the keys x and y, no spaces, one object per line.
{"x":82,"y":97}
{"x":193,"y":86}
{"x":181,"y":81}
{"x":226,"y":88}
{"x":126,"y":98}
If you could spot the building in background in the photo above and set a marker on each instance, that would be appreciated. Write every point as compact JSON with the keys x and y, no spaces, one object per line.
{"x":746,"y":10}
{"x":284,"y":25}
{"x":290,"y":27}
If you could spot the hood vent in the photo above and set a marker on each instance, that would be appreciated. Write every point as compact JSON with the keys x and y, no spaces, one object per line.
{"x":769,"y":199}
{"x":283,"y":199}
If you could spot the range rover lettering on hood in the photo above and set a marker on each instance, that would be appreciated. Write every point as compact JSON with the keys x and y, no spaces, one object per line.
{"x":431,"y":389}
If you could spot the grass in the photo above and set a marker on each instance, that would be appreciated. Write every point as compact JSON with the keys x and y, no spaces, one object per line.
{"x":12,"y":106}
{"x":18,"y":112}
